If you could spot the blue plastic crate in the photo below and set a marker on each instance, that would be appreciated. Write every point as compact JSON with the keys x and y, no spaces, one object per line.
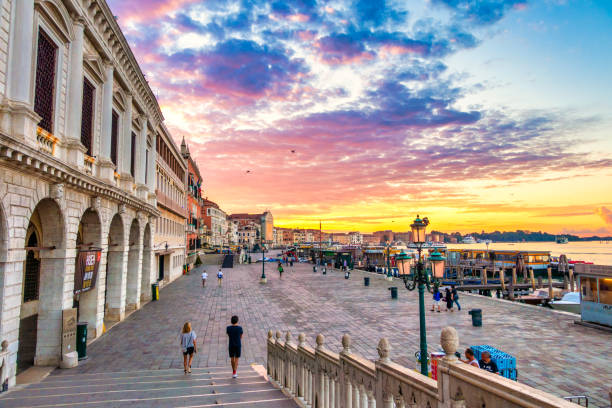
{"x":505,"y":362}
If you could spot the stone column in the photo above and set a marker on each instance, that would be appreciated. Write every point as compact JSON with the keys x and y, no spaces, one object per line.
{"x":126,"y":142}
{"x":106,"y":166}
{"x":141,"y":148}
{"x":75,"y":96}
{"x":18,"y":117}
{"x":151,"y":169}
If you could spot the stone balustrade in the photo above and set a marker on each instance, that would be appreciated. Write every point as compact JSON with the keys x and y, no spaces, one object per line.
{"x":320,"y":378}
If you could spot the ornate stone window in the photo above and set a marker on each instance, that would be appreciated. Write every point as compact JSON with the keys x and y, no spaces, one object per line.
{"x":88,"y":115}
{"x":114,"y":135}
{"x":45,"y":80}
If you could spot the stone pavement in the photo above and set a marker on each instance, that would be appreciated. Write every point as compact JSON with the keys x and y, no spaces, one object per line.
{"x":553,"y":353}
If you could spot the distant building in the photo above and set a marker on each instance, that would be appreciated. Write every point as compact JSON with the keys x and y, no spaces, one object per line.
{"x":257,"y":219}
{"x":385,"y":236}
{"x":216,"y":224}
{"x":355,"y":238}
{"x":194,"y":206}
{"x":370,"y":239}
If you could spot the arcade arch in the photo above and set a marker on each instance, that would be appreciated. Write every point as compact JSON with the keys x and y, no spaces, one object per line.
{"x":114,"y":282}
{"x":132,"y":299}
{"x":147,"y":254}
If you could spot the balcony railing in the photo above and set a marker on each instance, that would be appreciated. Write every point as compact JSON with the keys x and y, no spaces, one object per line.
{"x":169,"y":204}
{"x":46,"y":141}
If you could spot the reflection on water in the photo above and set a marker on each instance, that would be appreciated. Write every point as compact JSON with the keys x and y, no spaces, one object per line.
{"x":594,"y":251}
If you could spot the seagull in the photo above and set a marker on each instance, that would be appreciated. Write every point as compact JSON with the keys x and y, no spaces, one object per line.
{"x":248,"y":171}
{"x":292,"y":151}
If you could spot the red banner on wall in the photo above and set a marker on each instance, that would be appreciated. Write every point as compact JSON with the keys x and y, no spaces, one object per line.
{"x":86,"y":271}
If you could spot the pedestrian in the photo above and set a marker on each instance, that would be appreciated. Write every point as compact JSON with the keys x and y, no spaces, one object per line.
{"x":234,"y":332}
{"x":280,"y":270}
{"x":220,"y":277}
{"x":469,"y":358}
{"x":314,"y":268}
{"x":204,"y":277}
{"x":487,"y":364}
{"x":291,"y":261}
{"x":188,"y":346}
{"x":449,"y":299}
{"x":455,"y":297}
{"x":436,"y":299}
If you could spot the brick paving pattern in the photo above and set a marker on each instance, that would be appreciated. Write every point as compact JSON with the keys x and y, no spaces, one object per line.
{"x":553,"y":353}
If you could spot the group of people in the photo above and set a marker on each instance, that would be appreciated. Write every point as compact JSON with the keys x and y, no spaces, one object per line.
{"x":485,"y":362}
{"x":189,"y":346}
{"x":450,"y":297}
{"x":219,"y":277}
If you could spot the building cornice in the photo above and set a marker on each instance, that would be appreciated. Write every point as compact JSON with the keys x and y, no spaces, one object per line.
{"x":24,"y":158}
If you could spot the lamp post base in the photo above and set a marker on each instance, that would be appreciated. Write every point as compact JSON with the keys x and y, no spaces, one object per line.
{"x":263,"y":280}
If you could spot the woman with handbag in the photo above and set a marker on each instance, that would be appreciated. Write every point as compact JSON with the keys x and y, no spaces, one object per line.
{"x":188,"y":346}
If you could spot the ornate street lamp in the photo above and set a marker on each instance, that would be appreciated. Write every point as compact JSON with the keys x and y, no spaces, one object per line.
{"x":420,"y":279}
{"x":401,"y":258}
{"x":263,"y":253}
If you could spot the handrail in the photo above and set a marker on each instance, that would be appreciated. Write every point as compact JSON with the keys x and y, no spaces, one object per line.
{"x":318,"y":377}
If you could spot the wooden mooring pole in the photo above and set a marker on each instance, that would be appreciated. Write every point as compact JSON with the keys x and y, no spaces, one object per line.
{"x":533,"y":287}
{"x":571,"y":279}
{"x":550,"y":286}
{"x":502,"y":279}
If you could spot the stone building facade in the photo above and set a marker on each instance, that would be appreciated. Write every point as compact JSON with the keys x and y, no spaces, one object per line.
{"x":170,"y":244}
{"x":195,"y":229}
{"x":216,"y":222}
{"x":78,"y":131}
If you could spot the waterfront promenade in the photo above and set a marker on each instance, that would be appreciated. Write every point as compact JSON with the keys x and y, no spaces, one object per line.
{"x":553,"y":354}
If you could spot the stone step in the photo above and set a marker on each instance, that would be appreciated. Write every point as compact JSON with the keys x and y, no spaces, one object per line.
{"x":178,"y":375}
{"x":204,"y":387}
{"x":184,"y":386}
{"x":167,"y":398}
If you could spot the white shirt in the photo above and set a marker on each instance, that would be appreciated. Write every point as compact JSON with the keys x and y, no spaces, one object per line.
{"x":204,"y":275}
{"x":187,"y":339}
{"x":219,"y":274}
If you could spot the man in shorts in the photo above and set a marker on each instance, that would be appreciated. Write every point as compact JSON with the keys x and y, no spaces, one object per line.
{"x":220,"y":277}
{"x":204,"y":277}
{"x":234,"y":332}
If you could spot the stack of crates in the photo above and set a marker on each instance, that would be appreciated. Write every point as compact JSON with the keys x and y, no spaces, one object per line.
{"x":505,"y":362}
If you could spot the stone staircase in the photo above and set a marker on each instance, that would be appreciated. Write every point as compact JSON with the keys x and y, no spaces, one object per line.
{"x":204,"y":387}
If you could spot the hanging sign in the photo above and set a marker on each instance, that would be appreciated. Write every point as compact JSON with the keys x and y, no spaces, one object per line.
{"x":86,"y":271}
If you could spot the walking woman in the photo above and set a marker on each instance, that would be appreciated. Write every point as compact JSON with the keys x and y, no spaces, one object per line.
{"x":449,"y":299}
{"x":188,"y":346}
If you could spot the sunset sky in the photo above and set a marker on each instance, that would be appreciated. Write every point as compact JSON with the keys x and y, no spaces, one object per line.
{"x":480,"y":114}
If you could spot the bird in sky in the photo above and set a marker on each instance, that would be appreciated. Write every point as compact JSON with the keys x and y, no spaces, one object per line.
{"x":248,"y":171}
{"x":292,"y":151}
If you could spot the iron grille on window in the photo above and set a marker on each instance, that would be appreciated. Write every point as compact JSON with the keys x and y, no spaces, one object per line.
{"x":114,"y":132}
{"x":45,"y":80}
{"x":88,"y":115}
{"x":133,"y":155}
{"x":30,"y":281}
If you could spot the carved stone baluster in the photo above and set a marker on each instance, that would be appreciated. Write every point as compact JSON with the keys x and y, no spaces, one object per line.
{"x":388,"y":401}
{"x":356,"y":399}
{"x":371,"y":400}
{"x":331,"y":401}
{"x":364,"y":397}
{"x":325,"y":398}
{"x":270,"y":364}
{"x":279,"y":362}
{"x":348,"y":396}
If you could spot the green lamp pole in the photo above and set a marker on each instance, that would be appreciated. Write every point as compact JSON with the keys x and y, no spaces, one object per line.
{"x":389,"y":276}
{"x":263,"y":253}
{"x":420,"y":280}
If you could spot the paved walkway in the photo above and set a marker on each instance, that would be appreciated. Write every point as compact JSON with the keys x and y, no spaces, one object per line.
{"x":553,"y":353}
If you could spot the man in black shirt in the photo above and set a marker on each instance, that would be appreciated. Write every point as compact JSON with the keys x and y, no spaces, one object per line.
{"x":487,"y":364}
{"x":234,"y":332}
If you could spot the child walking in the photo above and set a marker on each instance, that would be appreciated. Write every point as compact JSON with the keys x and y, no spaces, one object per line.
{"x":220,"y":277}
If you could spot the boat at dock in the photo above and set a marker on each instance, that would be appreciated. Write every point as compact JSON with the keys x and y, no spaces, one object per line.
{"x":570,"y":302}
{"x":468,"y":240}
{"x":561,"y":239}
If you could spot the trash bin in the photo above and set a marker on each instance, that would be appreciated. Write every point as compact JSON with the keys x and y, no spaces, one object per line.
{"x":81,"y":340}
{"x":366,"y":281}
{"x":155,"y":291}
{"x":347,"y":275}
{"x":393,"y":290}
{"x":476,"y":317}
